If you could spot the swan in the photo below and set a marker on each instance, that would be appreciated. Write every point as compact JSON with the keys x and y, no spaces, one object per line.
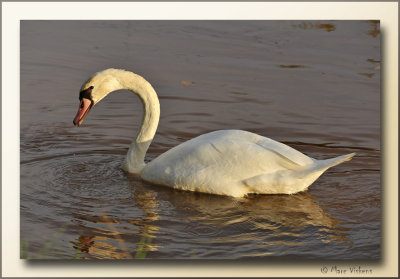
{"x":225,"y":162}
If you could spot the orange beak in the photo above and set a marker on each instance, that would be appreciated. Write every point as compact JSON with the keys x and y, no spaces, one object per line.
{"x":84,"y":107}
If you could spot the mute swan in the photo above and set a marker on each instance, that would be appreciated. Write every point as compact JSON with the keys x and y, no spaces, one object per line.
{"x":227,"y":162}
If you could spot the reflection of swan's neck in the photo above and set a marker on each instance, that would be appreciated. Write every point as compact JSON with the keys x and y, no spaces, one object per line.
{"x":134,"y":162}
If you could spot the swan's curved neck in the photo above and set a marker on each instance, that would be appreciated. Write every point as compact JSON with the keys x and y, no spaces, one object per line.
{"x":134,"y":162}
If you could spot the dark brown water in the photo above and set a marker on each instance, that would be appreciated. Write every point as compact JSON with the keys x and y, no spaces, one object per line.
{"x":312,"y":85}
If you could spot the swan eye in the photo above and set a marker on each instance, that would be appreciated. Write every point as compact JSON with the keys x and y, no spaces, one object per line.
{"x":87,"y":93}
{"x":81,"y":105}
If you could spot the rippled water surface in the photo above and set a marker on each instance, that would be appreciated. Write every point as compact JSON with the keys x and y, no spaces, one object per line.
{"x":312,"y":85}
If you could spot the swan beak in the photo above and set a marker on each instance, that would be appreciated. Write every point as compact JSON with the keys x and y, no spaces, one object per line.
{"x":84,"y":107}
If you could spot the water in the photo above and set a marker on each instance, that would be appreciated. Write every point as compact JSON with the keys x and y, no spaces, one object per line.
{"x":312,"y":85}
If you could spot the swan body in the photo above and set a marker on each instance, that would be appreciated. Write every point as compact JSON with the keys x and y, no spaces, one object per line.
{"x":226,"y":162}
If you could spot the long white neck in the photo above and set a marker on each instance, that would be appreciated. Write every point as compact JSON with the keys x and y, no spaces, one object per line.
{"x":111,"y":80}
{"x":134,"y":162}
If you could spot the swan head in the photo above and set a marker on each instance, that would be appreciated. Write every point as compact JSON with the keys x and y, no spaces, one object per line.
{"x":85,"y":104}
{"x":95,"y":89}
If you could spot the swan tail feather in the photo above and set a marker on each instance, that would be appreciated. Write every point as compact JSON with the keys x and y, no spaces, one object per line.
{"x":326,"y":164}
{"x":291,"y":181}
{"x":320,"y":166}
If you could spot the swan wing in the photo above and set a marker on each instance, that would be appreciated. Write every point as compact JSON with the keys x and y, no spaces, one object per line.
{"x":254,"y":141}
{"x":219,"y":161}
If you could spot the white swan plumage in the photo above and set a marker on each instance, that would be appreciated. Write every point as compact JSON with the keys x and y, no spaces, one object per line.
{"x":226,"y":162}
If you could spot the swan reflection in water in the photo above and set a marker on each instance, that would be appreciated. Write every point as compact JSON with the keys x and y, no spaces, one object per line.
{"x":268,"y":220}
{"x":112,"y":241}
